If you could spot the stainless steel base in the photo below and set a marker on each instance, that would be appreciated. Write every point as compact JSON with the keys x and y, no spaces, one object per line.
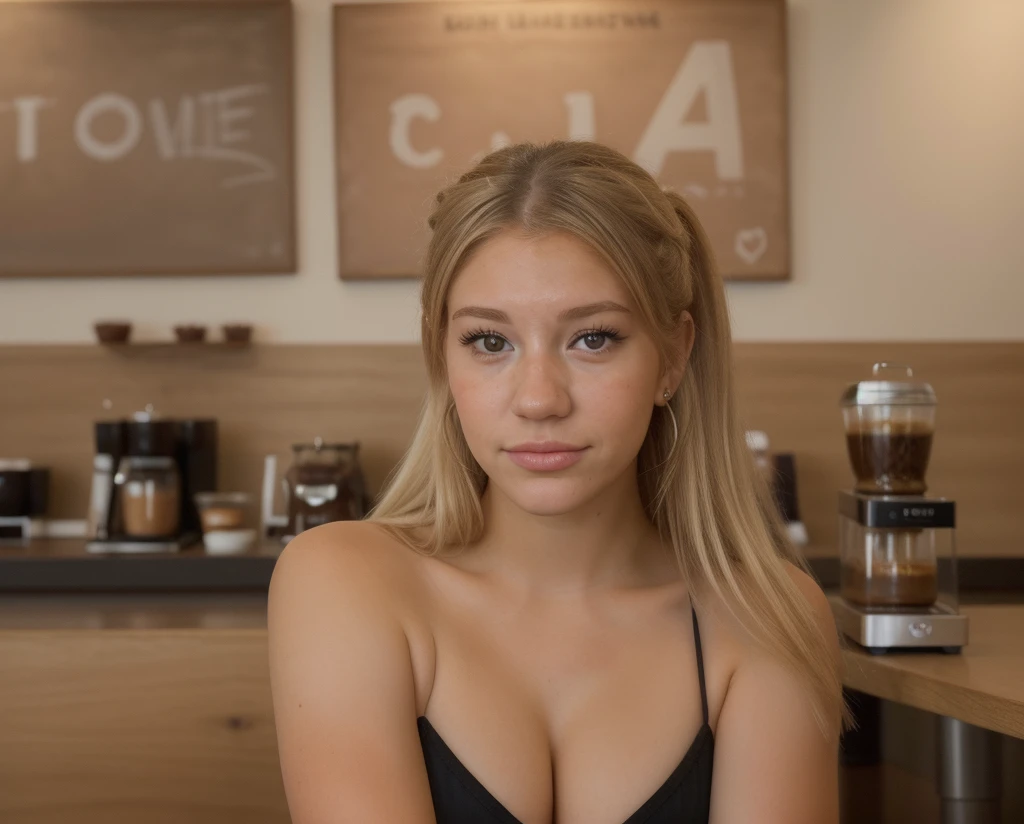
{"x":936,"y":627}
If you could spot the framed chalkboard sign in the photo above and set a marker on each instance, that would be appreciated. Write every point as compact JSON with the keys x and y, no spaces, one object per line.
{"x":693,"y":90}
{"x":146,"y":138}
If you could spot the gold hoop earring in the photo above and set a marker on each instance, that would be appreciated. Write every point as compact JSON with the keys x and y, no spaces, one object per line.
{"x":672,"y":416}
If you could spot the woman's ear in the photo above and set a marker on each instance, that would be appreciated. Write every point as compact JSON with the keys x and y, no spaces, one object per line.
{"x":682,"y":346}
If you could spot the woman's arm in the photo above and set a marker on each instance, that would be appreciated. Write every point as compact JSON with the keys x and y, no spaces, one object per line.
{"x":773,"y":764}
{"x":343,"y":687}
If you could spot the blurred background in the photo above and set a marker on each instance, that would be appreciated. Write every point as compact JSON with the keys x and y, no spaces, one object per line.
{"x":212,"y":217}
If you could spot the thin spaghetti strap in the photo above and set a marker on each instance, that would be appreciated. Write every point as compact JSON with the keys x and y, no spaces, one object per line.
{"x":700,"y":665}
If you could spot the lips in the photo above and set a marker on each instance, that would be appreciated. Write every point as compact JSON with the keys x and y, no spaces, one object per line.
{"x":545,"y":457}
{"x":545,"y":446}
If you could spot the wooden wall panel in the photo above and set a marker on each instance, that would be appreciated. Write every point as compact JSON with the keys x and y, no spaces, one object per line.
{"x":267,"y":397}
{"x":792,"y":391}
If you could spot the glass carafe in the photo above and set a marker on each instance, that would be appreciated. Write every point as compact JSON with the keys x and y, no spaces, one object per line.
{"x":890,"y":568}
{"x":149,"y":490}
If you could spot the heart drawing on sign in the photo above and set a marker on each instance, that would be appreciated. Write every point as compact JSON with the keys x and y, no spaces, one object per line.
{"x":751,"y":244}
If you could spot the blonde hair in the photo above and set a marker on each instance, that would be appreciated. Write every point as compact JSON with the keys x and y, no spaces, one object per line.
{"x":701,"y":490}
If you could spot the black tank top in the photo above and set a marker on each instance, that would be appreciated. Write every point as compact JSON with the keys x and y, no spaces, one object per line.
{"x":684,"y":798}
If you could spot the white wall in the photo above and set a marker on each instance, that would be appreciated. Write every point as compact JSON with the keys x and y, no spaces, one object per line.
{"x":907,"y":175}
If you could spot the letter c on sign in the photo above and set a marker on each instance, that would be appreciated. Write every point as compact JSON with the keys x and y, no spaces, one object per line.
{"x":403,"y":111}
{"x":99,"y":105}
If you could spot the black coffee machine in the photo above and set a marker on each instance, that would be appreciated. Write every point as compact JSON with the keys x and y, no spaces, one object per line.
{"x":146,"y":471}
{"x":24,"y":495}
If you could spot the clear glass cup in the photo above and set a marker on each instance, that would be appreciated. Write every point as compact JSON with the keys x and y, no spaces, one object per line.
{"x":228,"y":520}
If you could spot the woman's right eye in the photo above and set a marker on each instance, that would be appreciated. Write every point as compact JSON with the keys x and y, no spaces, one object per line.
{"x":493,"y":343}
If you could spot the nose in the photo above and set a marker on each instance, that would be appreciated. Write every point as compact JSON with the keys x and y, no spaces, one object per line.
{"x":541,"y":390}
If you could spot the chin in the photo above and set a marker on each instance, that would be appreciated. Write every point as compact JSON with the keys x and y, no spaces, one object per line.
{"x":545,"y":496}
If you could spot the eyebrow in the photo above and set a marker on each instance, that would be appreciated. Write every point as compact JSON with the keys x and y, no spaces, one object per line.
{"x":576,"y":313}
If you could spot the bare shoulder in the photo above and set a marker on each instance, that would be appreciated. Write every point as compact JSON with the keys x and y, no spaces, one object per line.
{"x":352,"y":554}
{"x":730,"y":632}
{"x":354,"y":573}
{"x":342,"y":676}
{"x":326,"y":579}
{"x":773,"y":762}
{"x":815,"y":597}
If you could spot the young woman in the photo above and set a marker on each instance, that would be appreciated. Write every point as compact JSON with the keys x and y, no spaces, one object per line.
{"x":574,"y":602}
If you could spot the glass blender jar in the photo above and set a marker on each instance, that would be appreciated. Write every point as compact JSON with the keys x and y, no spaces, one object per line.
{"x":889,"y":429}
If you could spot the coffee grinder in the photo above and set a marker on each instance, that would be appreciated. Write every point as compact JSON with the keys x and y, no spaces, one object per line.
{"x":898,"y":577}
{"x":324,"y":483}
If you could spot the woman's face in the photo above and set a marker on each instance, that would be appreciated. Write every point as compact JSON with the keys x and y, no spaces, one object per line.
{"x":545,"y":345}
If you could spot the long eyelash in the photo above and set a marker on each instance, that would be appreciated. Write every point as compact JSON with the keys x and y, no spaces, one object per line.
{"x":476,"y":334}
{"x":607,"y":331}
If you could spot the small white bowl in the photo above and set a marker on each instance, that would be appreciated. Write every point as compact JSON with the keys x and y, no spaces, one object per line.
{"x":228,"y":541}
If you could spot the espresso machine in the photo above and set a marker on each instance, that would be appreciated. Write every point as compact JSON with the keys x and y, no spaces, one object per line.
{"x":146,"y":472}
{"x":898,"y":578}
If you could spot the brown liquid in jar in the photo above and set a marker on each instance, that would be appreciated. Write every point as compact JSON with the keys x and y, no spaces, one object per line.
{"x":893,"y":461}
{"x":892,"y":584}
{"x":151,"y":513}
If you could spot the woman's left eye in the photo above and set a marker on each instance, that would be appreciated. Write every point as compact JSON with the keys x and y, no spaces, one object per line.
{"x":598,"y":336}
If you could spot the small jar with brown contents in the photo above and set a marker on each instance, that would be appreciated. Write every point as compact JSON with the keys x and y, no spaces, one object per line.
{"x":228,"y":519}
{"x":150,"y":496}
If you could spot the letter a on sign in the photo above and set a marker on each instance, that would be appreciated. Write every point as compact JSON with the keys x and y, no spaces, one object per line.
{"x":707,"y":68}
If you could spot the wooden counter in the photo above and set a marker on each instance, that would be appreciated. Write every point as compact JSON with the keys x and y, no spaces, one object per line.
{"x":50,"y":565}
{"x":149,"y":611}
{"x":64,"y":565}
{"x":147,"y":709}
{"x":983,"y":685}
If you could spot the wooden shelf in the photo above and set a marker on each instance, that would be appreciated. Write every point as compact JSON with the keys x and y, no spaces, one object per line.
{"x":176,"y":345}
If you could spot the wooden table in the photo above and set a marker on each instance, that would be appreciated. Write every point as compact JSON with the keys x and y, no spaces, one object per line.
{"x":983,"y":685}
{"x":977,"y":694}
